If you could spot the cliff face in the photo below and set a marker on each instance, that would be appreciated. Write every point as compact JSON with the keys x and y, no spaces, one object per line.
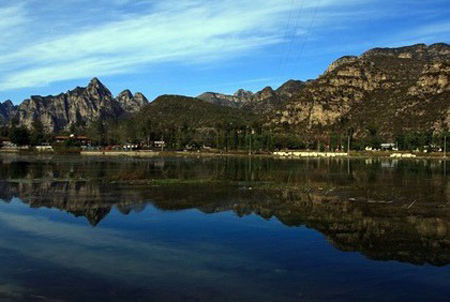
{"x":390,"y":89}
{"x":7,"y":110}
{"x":131,"y":103}
{"x":261,"y":102}
{"x":81,"y":105}
{"x":387,"y":90}
{"x":237,"y":100}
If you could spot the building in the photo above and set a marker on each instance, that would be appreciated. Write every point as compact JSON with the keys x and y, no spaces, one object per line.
{"x":159,"y":144}
{"x":389,"y":146}
{"x":6,"y":143}
{"x":83,"y":140}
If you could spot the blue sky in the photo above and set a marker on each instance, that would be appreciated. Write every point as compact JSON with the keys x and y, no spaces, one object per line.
{"x":191,"y":46}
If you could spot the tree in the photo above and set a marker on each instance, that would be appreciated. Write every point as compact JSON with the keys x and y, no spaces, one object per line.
{"x":373,"y":139}
{"x":97,"y":132}
{"x":37,"y":135}
{"x":19,"y":136}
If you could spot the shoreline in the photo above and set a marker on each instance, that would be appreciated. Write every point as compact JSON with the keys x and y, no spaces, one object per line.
{"x":276,"y":155}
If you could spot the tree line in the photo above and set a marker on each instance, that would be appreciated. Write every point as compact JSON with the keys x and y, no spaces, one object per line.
{"x":241,"y":135}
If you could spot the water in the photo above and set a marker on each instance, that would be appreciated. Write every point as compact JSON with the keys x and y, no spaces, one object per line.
{"x":223,"y":229}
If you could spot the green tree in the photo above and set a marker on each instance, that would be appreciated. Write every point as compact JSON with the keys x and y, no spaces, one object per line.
{"x":19,"y":136}
{"x":37,"y":135}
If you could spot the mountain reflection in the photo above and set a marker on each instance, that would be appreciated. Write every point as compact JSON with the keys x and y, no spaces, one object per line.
{"x":385,"y":210}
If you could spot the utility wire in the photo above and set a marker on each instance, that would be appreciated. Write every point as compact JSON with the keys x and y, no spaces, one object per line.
{"x":286,"y":32}
{"x":308,"y":32}
{"x":293,"y":40}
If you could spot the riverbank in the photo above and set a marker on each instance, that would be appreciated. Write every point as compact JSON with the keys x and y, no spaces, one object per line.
{"x":279,"y":155}
{"x":288,"y":154}
{"x":140,"y":153}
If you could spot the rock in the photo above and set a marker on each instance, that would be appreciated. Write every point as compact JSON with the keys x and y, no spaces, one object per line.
{"x":130,"y":103}
{"x":261,"y":102}
{"x":243,"y":94}
{"x":234,"y":101}
{"x":81,"y":105}
{"x":394,"y":90}
{"x":7,"y":111}
{"x":341,"y":61}
{"x":291,"y":87}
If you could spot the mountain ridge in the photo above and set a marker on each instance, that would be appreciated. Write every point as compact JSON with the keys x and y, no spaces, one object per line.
{"x":80,"y":106}
{"x":386,"y":91}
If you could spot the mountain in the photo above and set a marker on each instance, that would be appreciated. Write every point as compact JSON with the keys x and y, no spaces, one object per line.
{"x":261,"y":102}
{"x":78,"y":106}
{"x":131,"y":103}
{"x":7,"y":110}
{"x":385,"y":90}
{"x":291,"y":87}
{"x":181,"y":110}
{"x":237,"y":100}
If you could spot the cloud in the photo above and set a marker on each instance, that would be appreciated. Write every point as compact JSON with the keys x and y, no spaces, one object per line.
{"x":434,"y":29}
{"x":51,"y":41}
{"x":119,"y":254}
{"x":55,"y":45}
{"x":11,"y":19}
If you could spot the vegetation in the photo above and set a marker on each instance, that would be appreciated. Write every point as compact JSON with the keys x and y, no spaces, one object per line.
{"x":19,"y":135}
{"x":188,"y":123}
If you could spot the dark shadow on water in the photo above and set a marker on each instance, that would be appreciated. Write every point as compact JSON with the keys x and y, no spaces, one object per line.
{"x":386,"y":210}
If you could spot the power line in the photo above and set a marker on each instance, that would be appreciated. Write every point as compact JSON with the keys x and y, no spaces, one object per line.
{"x":286,"y":33}
{"x":310,"y":27}
{"x":295,"y":28}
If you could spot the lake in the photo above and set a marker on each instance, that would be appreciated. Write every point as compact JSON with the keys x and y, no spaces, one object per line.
{"x":223,"y":229}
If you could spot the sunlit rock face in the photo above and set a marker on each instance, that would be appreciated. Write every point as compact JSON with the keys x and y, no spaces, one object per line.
{"x":434,"y":52}
{"x":131,"y":103}
{"x":386,"y":88}
{"x":78,"y":106}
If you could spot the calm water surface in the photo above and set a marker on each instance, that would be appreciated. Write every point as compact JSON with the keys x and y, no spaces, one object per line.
{"x":223,"y":229}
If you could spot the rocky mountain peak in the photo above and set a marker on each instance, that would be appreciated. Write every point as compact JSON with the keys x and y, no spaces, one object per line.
{"x":7,"y":110}
{"x":131,"y":103}
{"x":97,"y":90}
{"x":341,"y":61}
{"x":289,"y":88}
{"x":95,"y":82}
{"x":243,"y":94}
{"x":80,"y":105}
{"x":267,"y":91}
{"x":126,"y":94}
{"x":8,"y":104}
{"x":140,"y":98}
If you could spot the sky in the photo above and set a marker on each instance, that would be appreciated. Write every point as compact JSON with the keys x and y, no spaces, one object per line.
{"x":191,"y":46}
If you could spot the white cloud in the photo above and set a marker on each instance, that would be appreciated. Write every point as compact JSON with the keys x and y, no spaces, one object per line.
{"x":45,"y":42}
{"x":48,"y":49}
{"x":11,"y":19}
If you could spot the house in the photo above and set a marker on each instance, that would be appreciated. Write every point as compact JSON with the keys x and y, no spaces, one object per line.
{"x":83,"y":140}
{"x":159,"y":144}
{"x":389,"y":146}
{"x":7,"y":143}
{"x":44,"y":148}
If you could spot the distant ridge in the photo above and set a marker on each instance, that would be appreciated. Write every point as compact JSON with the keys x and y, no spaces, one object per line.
{"x":384,"y":90}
